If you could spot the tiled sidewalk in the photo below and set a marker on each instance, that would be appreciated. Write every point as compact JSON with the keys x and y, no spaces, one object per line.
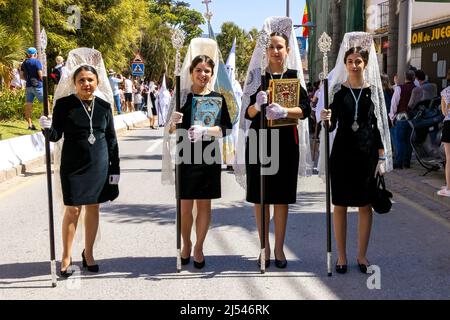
{"x":412,"y":184}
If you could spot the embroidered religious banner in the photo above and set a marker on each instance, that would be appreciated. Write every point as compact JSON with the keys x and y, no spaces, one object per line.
{"x":285,"y":92}
{"x":206,"y":111}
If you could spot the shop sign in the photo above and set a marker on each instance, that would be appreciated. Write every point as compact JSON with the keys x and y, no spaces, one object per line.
{"x":434,"y":34}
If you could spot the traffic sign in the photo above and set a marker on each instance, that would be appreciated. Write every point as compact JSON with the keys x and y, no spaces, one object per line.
{"x":137,"y":69}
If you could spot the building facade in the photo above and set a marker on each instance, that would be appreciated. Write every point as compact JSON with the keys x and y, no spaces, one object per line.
{"x":430,"y":36}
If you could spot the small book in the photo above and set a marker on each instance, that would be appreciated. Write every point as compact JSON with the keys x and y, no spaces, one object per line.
{"x":285,"y":92}
{"x":206,"y":111}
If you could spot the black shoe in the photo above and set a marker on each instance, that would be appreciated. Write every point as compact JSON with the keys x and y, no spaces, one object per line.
{"x":32,"y":127}
{"x":185,"y":261}
{"x":68,"y":272}
{"x":363,"y":267}
{"x":93,"y":268}
{"x":199,"y":265}
{"x":407,"y":166}
{"x":280,"y":263}
{"x":267,"y":263}
{"x":341,"y":268}
{"x":398,"y":166}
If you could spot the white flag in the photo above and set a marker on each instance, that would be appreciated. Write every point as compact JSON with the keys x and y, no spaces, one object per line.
{"x":231,"y":62}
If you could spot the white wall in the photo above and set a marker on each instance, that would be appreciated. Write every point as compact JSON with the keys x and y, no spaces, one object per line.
{"x":423,"y":13}
{"x":427,"y":13}
{"x":372,"y":15}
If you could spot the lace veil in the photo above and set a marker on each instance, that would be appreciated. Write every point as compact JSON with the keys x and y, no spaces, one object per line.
{"x":252,"y":84}
{"x":197,"y":46}
{"x":373,"y":78}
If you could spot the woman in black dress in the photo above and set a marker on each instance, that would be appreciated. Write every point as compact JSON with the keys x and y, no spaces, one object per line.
{"x":358,"y":152}
{"x":89,"y":169}
{"x":281,"y":187}
{"x":200,"y":180}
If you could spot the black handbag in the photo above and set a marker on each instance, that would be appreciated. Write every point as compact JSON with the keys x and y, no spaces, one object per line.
{"x":381,"y":200}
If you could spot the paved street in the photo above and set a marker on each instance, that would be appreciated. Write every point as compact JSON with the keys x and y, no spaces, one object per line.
{"x":136,"y":252}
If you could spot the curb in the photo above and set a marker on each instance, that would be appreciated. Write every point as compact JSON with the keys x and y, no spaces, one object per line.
{"x":421,"y":187}
{"x":125,"y":123}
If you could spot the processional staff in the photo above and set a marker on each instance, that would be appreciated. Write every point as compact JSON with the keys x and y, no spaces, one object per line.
{"x":177,"y":42}
{"x":51,"y":228}
{"x":324,"y":47}
{"x":263,"y":43}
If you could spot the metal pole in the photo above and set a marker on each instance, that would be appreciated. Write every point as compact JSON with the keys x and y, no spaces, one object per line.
{"x":404,"y":39}
{"x":177,"y":42}
{"x":37,"y":44}
{"x":325,"y":46}
{"x":287,"y":8}
{"x":263,"y":42}
{"x":178,"y":178}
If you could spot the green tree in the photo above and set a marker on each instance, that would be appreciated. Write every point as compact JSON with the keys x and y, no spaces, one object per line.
{"x":245,"y":43}
{"x":11,"y":52}
{"x":157,"y":49}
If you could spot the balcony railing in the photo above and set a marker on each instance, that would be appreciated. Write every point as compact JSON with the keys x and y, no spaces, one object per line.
{"x":383,"y":14}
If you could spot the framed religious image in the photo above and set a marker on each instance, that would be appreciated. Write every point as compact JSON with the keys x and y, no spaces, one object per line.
{"x":285,"y":92}
{"x":206,"y":111}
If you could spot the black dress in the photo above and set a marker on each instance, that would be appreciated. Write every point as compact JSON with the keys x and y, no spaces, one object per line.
{"x":153,"y":99}
{"x":85,"y":167}
{"x":281,"y":188}
{"x":354,"y":156}
{"x":200,"y":180}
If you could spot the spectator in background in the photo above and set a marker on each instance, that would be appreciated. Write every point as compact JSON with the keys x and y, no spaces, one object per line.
{"x":399,"y":116}
{"x":114,"y":82}
{"x":128,"y":91}
{"x":31,"y":72}
{"x":445,"y":106}
{"x":58,"y":70}
{"x":423,"y":91}
{"x":388,"y":91}
{"x":137,"y":99}
{"x":16,"y":82}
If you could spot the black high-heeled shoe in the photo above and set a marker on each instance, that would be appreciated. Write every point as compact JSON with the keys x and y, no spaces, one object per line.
{"x":185,"y":261}
{"x":363,"y":267}
{"x":341,"y":268}
{"x":201,"y":264}
{"x":93,"y":268}
{"x":68,"y":272}
{"x":280,"y":263}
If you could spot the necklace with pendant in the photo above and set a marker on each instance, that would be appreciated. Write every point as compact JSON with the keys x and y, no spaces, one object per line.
{"x":270,"y":73}
{"x":355,"y":125}
{"x":87,"y":109}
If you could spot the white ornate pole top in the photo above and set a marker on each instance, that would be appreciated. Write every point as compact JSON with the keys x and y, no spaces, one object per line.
{"x":177,"y":42}
{"x":324,"y":45}
{"x":263,"y":42}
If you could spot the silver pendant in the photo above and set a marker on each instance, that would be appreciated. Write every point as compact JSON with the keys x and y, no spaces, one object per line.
{"x":91,"y":139}
{"x":355,"y":126}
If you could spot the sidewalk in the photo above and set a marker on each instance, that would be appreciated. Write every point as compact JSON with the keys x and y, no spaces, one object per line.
{"x":22,"y":154}
{"x":420,"y":185}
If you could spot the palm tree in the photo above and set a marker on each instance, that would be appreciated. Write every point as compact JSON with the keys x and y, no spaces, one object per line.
{"x":11,"y":52}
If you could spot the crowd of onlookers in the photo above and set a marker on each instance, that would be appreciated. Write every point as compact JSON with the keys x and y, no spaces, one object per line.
{"x":400,"y":99}
{"x":130,"y":93}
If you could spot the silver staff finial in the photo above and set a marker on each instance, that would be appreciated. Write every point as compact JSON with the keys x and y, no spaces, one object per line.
{"x":324,"y":47}
{"x":208,"y":14}
{"x":177,"y":42}
{"x":263,"y":42}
